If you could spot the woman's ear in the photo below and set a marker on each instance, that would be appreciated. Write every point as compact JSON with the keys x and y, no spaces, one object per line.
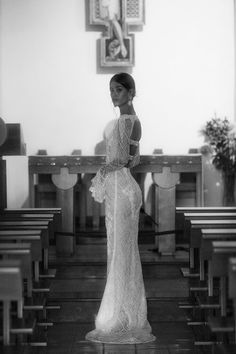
{"x":131,"y":93}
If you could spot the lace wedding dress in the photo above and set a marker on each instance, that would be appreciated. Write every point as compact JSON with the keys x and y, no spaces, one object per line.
{"x":122,"y":316}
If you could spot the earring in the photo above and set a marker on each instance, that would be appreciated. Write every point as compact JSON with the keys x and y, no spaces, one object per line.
{"x":129,"y":102}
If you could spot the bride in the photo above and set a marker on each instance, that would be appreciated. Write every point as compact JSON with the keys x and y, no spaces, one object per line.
{"x":122,"y":316}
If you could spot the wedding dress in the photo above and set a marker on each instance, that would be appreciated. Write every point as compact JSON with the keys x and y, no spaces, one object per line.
{"x":122,"y":316}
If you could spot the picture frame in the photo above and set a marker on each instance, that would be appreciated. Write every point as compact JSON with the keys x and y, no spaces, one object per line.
{"x":110,"y":54}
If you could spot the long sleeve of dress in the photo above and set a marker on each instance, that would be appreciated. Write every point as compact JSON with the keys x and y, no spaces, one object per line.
{"x":117,"y":156}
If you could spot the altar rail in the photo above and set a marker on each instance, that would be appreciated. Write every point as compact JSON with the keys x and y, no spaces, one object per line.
{"x":166,"y":171}
{"x":191,"y":163}
{"x":90,"y":164}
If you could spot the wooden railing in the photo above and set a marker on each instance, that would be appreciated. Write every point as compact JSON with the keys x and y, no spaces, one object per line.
{"x":65,"y":173}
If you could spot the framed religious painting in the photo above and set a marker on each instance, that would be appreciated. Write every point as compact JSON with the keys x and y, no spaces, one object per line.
{"x":116,"y":18}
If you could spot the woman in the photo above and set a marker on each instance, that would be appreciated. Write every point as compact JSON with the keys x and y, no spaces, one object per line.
{"x":122,"y":317}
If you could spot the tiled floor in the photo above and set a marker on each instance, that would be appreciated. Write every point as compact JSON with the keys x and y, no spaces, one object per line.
{"x":78,"y":289}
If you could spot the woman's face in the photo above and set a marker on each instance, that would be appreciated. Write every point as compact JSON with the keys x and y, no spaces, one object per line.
{"x":119,"y":94}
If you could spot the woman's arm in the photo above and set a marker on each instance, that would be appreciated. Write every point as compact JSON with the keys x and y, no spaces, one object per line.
{"x":121,"y":148}
{"x":121,"y":158}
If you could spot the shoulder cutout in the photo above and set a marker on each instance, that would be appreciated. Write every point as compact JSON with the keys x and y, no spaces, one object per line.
{"x":137,"y":131}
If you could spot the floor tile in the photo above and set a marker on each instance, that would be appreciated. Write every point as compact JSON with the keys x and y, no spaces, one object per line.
{"x":122,"y":349}
{"x":62,"y":335}
{"x":75,"y":311}
{"x":12,"y":349}
{"x":151,"y":348}
{"x":85,"y":311}
{"x":86,"y":288}
{"x":83,"y":347}
{"x":171,"y":332}
{"x":165,"y":311}
{"x":78,"y":288}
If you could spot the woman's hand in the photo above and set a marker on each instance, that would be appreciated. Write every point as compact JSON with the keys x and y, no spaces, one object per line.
{"x":98,"y":188}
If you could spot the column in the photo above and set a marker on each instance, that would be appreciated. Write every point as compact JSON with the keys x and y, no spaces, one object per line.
{"x":165,"y":187}
{"x":65,"y":182}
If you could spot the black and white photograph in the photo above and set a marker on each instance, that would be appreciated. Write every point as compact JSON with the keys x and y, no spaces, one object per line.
{"x":118,"y":176}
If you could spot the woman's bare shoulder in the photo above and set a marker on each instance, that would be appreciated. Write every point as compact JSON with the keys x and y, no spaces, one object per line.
{"x":137,"y":130}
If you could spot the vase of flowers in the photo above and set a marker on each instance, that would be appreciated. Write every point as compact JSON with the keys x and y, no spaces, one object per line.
{"x":220,"y":136}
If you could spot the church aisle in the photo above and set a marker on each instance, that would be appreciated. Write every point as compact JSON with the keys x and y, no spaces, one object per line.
{"x":78,"y":288}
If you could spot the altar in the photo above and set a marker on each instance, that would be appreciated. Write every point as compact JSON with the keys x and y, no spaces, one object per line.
{"x":165,"y":170}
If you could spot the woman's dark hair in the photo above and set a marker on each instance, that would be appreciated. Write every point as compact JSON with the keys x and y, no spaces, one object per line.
{"x":125,"y":80}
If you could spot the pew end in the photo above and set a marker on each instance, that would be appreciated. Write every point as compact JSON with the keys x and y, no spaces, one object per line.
{"x":11,"y":290}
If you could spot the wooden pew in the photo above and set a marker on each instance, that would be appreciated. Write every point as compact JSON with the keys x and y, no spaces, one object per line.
{"x":21,"y":216}
{"x":209,"y":235}
{"x":218,"y":254}
{"x":57,"y":213}
{"x":37,"y":214}
{"x":11,"y":289}
{"x":221,"y":252}
{"x":27,"y":228}
{"x":223,"y":230}
{"x":26,"y":236}
{"x":226,"y":216}
{"x":232,"y":288}
{"x":52,"y":227}
{"x":5,"y":216}
{"x":22,"y":252}
{"x":179,"y":216}
{"x":31,"y":225}
{"x":205,"y":216}
{"x":37,"y":302}
{"x":195,"y":233}
{"x":195,"y":243}
{"x":220,"y":268}
{"x":26,"y":320}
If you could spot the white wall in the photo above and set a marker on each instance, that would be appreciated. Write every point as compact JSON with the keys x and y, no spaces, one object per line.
{"x":184,"y":61}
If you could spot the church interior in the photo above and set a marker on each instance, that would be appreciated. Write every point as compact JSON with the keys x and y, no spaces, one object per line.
{"x":56,"y":60}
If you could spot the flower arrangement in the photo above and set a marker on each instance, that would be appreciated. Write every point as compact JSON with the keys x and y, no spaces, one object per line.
{"x":221,"y":139}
